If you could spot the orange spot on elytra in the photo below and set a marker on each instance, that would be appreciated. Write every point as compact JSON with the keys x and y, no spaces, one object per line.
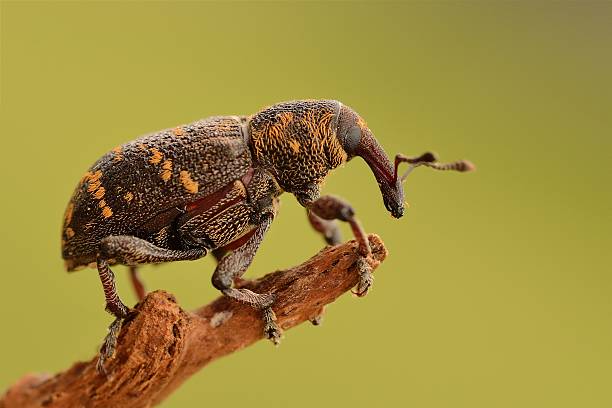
{"x":128,"y":196}
{"x":190,"y":185}
{"x":166,"y":172}
{"x":93,"y":186}
{"x":102,"y":204}
{"x":107,"y":212}
{"x":99,"y":193}
{"x":178,"y":131}
{"x":93,"y":180}
{"x":157,"y":156}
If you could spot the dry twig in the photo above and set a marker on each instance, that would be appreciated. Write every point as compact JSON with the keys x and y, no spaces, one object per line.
{"x":162,"y":345}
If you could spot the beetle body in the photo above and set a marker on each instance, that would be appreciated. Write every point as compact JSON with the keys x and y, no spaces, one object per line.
{"x":151,"y":187}
{"x":213,"y":185}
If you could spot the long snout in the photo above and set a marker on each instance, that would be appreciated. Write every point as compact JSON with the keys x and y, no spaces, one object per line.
{"x":392,"y":190}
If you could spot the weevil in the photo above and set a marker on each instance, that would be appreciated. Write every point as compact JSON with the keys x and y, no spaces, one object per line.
{"x":213,"y":186}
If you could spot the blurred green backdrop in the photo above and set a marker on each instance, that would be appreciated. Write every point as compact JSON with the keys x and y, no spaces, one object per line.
{"x":497,"y":289}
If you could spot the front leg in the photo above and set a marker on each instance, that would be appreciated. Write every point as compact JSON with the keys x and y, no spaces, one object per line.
{"x":333,"y":208}
{"x":233,"y":265}
{"x":329,"y":229}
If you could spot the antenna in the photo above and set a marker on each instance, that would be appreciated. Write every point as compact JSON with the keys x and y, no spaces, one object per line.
{"x":429,"y":159}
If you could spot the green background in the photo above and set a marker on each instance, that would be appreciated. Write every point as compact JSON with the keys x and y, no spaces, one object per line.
{"x":497,"y":289}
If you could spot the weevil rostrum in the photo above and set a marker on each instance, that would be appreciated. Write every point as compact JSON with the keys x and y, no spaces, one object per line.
{"x":213,"y":186}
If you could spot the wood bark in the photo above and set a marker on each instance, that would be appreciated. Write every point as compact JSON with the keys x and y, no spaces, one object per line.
{"x":162,"y":345}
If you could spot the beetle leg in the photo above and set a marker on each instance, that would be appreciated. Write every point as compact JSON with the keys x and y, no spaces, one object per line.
{"x":317,"y":319}
{"x":329,"y":229}
{"x":137,"y":283}
{"x":334,"y":208}
{"x":131,"y":251}
{"x":115,"y":306}
{"x":218,"y":254}
{"x":233,"y":265}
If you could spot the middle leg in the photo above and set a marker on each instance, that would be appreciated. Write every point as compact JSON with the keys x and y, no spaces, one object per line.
{"x":233,"y":265}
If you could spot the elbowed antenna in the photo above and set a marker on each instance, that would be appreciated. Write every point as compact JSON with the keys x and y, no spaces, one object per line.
{"x":429,"y":159}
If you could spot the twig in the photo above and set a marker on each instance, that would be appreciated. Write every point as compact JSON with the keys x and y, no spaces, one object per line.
{"x":161,"y":345}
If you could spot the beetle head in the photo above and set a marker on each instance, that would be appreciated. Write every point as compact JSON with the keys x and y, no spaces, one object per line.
{"x":357,"y":140}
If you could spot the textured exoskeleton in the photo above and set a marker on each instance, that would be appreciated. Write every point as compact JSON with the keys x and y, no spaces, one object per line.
{"x":212,"y":186}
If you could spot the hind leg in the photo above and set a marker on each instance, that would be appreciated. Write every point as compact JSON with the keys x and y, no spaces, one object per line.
{"x":128,"y":250}
{"x":137,"y":283}
{"x":115,"y":306}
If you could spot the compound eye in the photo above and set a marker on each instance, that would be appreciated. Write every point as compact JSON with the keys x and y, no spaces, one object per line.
{"x":352,"y":139}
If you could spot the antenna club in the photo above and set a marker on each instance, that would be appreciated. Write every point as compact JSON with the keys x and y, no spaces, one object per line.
{"x":466,"y":166}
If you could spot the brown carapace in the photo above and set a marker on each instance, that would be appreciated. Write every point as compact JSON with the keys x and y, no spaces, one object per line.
{"x":213,"y":185}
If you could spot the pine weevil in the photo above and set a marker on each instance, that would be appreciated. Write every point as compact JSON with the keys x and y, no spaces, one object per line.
{"x":213,"y":185}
